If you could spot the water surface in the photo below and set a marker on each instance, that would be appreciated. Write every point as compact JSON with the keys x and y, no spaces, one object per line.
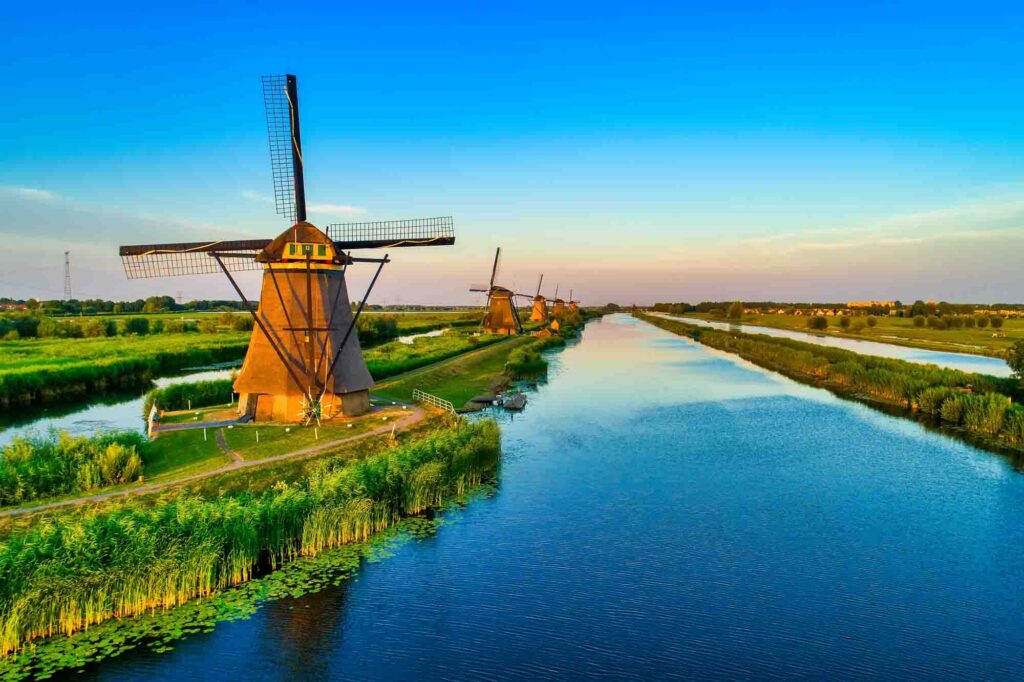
{"x":665,"y":510}
{"x":962,"y":361}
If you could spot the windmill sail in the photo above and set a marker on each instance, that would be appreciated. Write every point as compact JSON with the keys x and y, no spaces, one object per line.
{"x":281,"y":101}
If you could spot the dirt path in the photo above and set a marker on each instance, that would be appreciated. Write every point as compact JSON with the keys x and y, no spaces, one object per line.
{"x":415,"y":416}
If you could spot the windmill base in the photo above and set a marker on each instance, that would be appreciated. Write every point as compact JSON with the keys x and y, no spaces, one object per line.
{"x":289,"y":407}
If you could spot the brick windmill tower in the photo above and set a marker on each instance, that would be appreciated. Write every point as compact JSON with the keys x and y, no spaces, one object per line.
{"x":304,"y":362}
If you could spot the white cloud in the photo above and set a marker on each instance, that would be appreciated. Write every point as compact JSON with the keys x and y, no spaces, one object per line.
{"x":336,"y":209}
{"x":31,"y":193}
{"x":332,"y":209}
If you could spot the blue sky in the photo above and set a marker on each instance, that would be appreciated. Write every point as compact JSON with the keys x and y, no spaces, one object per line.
{"x":634,"y":152}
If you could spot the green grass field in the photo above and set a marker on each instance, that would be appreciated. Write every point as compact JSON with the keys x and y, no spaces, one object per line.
{"x":182,"y":453}
{"x":901,"y":331}
{"x":278,"y":439}
{"x":458,"y":379}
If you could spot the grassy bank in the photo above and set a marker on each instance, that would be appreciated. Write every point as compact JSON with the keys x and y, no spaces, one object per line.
{"x":900,"y":331}
{"x":129,"y":559}
{"x":978,"y":404}
{"x":49,"y":370}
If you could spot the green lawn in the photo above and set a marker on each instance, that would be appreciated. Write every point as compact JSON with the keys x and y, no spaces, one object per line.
{"x":901,"y":331}
{"x":458,"y":379}
{"x":277,"y":439}
{"x":182,"y":453}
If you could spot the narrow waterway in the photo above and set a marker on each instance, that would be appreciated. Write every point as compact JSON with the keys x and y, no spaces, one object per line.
{"x":962,"y":361}
{"x":122,"y":413}
{"x":665,"y":510}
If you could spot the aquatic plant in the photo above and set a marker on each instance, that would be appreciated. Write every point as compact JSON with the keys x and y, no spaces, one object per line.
{"x":71,"y":572}
{"x":186,"y":395}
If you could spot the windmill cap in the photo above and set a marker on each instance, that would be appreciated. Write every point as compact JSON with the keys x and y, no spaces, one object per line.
{"x":302,"y":232}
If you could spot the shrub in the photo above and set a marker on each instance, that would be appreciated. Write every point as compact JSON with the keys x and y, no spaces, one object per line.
{"x":919,"y":320}
{"x":858,"y":326}
{"x":936,"y":322}
{"x":996,"y":322}
{"x":242,"y":323}
{"x":982,"y":321}
{"x":818,"y":322}
{"x":376,"y":329}
{"x":872,"y":321}
{"x":735,"y":311}
{"x":969,"y":321}
{"x":136,"y":325}
{"x":844,"y":321}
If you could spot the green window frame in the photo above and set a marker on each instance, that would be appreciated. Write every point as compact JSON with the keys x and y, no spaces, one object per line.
{"x":321,"y":250}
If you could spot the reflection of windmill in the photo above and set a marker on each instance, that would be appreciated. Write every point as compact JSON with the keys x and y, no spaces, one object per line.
{"x":304,"y":359}
{"x":540,"y":305}
{"x":500,"y":314}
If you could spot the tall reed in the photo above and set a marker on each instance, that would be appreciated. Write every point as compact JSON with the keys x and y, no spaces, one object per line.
{"x":68,"y":573}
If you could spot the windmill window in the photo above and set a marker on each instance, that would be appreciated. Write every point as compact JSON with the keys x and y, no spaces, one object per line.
{"x":321,"y":250}
{"x":307,"y":249}
{"x":291,"y":249}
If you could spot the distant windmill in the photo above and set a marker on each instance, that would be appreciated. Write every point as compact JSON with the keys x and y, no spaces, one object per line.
{"x":558,"y":308}
{"x":304,"y":361}
{"x":500,"y":314}
{"x":572,"y":304}
{"x":540,"y":304}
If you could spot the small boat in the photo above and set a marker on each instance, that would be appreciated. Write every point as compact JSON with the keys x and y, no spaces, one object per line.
{"x":516,"y":401}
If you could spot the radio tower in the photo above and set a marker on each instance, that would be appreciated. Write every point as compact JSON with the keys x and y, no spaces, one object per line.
{"x":67,"y":276}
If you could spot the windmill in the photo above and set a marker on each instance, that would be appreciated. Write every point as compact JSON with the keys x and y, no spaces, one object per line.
{"x":304,"y":362}
{"x":540,"y":305}
{"x":571,"y":305}
{"x":500,"y":314}
{"x":558,"y":307}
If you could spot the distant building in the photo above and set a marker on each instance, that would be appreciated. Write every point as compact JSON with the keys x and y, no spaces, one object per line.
{"x":12,"y":306}
{"x":871,"y":304}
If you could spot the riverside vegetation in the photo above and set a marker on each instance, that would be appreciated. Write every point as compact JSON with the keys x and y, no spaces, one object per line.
{"x":979,"y":405}
{"x":131,"y":558}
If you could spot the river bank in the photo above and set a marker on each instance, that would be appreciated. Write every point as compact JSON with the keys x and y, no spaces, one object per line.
{"x":980,"y":406}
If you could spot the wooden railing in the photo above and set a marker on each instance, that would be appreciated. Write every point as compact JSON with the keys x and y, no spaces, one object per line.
{"x":432,"y":400}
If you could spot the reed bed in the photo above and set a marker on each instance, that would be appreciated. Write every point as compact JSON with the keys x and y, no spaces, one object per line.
{"x":186,"y":395}
{"x":527,"y":362}
{"x":979,"y":404}
{"x":395,"y":357}
{"x":59,"y":464}
{"x":68,"y":573}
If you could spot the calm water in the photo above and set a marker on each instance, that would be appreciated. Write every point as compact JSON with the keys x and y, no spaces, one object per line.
{"x":124,"y":414}
{"x":963,"y":361}
{"x":668,"y":511}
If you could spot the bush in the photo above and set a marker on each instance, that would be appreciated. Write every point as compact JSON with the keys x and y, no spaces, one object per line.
{"x":936,"y":322}
{"x":969,"y":321}
{"x":136,"y":325}
{"x":735,"y":311}
{"x":243,"y":323}
{"x":982,"y":321}
{"x":818,"y":322}
{"x":376,"y":329}
{"x":996,"y":322}
{"x":858,"y":326}
{"x":872,"y":321}
{"x":919,"y":320}
{"x":844,"y":321}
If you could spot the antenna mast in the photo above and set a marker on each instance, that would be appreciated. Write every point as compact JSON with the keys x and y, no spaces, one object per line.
{"x":67,"y":275}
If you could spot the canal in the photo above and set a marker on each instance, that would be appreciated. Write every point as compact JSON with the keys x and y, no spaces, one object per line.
{"x":664,"y":510}
{"x":963,"y":361}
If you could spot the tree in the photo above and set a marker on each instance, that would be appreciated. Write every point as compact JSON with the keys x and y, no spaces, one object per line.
{"x":735,"y":310}
{"x":844,"y":321}
{"x":1015,"y":358}
{"x":982,"y":321}
{"x":996,"y":322}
